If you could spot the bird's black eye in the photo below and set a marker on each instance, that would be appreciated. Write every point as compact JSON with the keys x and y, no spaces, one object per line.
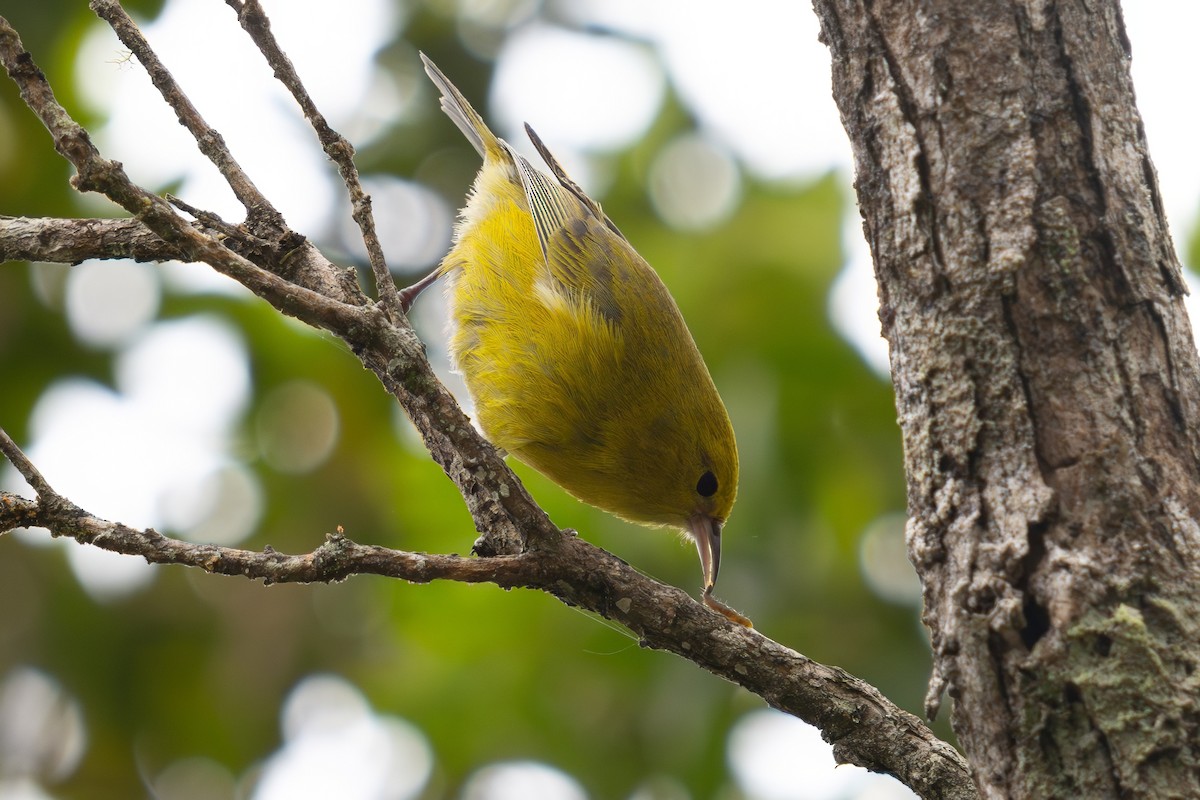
{"x":707,"y":485}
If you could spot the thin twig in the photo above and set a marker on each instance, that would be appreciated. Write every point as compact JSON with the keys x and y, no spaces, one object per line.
{"x":335,"y":560}
{"x":98,"y":174}
{"x":24,"y":466}
{"x":255,"y":22}
{"x":207,"y":218}
{"x":208,"y":139}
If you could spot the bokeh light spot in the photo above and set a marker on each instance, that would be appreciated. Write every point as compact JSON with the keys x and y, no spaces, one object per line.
{"x":42,"y":735}
{"x":413,"y":222}
{"x":775,"y":756}
{"x":297,"y":426}
{"x":322,"y":703}
{"x":189,"y":375}
{"x":92,"y":448}
{"x":109,"y":301}
{"x":22,"y":789}
{"x":194,"y":779}
{"x":336,"y":746}
{"x":884,"y":561}
{"x":694,"y":185}
{"x":223,"y":508}
{"x":576,"y":90}
{"x":520,"y":780}
{"x":108,"y":576}
{"x":196,"y":278}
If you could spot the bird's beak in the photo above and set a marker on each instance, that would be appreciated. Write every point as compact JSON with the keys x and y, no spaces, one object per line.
{"x":707,"y":533}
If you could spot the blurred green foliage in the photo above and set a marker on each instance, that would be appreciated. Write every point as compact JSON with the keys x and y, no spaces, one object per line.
{"x":198,"y":665}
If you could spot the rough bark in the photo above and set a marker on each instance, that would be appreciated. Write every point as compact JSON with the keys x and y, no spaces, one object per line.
{"x":1046,"y":384}
{"x":69,"y":241}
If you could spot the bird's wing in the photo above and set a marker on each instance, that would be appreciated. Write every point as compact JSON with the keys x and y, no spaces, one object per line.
{"x":554,"y":202}
{"x":551,"y":207}
{"x":583,"y":250}
{"x":565,"y":180}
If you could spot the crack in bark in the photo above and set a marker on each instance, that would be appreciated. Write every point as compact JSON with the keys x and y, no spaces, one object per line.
{"x":924,"y":205}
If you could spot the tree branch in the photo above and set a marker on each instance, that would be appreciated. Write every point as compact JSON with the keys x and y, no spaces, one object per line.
{"x":864,"y":727}
{"x":208,"y":139}
{"x":503,"y":511}
{"x":69,"y":241}
{"x":95,"y":173}
{"x":24,"y":466}
{"x":254,"y":21}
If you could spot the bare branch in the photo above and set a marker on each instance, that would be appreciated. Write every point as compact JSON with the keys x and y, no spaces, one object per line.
{"x":24,"y":466}
{"x":864,"y":727}
{"x":209,"y":219}
{"x":255,"y":22}
{"x":69,"y":241}
{"x":96,"y":173}
{"x":209,"y":140}
{"x":338,"y":558}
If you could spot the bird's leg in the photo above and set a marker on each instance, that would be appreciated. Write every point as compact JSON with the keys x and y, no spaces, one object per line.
{"x":408,"y":294}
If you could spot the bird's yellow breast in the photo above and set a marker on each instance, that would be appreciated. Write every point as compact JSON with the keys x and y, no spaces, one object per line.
{"x":577,"y":359}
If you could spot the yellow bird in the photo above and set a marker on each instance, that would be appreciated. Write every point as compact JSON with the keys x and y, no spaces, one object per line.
{"x":576,"y":356}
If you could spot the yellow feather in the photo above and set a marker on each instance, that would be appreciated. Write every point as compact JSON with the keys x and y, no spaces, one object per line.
{"x":575,"y":354}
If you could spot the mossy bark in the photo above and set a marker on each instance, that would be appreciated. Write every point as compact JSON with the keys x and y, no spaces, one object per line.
{"x":1046,"y":383}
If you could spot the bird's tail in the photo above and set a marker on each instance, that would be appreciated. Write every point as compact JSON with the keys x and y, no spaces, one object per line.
{"x":460,"y":112}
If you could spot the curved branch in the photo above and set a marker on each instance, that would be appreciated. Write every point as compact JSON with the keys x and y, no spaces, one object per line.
{"x":864,"y":727}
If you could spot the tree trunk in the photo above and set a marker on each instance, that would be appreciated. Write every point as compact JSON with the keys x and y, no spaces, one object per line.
{"x":1046,"y":384}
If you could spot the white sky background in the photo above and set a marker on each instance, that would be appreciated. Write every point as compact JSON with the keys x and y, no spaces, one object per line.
{"x":737,"y":70}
